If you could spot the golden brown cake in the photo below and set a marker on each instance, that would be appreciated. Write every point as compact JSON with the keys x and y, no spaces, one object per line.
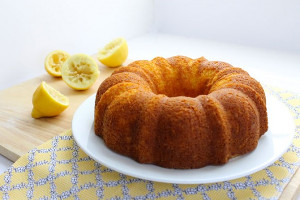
{"x":180,"y":112}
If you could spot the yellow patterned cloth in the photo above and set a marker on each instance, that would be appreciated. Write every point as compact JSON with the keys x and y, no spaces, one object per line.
{"x":59,"y":169}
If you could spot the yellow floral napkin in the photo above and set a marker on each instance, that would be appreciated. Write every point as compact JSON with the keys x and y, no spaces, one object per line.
{"x":59,"y":169}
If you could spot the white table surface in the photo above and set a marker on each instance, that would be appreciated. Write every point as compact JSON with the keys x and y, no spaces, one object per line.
{"x":266,"y":65}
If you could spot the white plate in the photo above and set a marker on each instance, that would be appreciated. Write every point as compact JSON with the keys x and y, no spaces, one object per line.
{"x":270,"y":147}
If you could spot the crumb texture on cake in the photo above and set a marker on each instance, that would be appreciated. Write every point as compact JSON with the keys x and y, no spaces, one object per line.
{"x":180,"y":112}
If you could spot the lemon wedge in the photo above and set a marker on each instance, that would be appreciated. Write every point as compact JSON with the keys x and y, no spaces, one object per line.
{"x":114,"y":53}
{"x":48,"y":102}
{"x":80,"y":71}
{"x":54,"y":61}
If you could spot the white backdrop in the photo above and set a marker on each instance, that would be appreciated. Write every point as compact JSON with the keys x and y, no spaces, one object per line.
{"x":31,"y":29}
{"x":273,"y":24}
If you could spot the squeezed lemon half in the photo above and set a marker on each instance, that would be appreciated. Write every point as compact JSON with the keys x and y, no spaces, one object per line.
{"x":48,"y":102}
{"x":114,"y":53}
{"x":54,"y":61}
{"x":80,"y":71}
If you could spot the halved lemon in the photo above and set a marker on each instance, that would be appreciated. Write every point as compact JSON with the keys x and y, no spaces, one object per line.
{"x":114,"y":53}
{"x":80,"y":71}
{"x":54,"y":61}
{"x":48,"y":102}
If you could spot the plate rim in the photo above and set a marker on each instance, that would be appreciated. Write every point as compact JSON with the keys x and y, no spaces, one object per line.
{"x":172,"y":180}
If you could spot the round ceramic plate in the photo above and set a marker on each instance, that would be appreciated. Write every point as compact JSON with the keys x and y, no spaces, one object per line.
{"x":271,"y":146}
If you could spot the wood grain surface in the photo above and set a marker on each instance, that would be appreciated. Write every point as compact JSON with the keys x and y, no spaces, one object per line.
{"x":19,"y":132}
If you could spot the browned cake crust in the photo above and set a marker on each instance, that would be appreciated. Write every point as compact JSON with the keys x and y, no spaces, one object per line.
{"x":180,"y":112}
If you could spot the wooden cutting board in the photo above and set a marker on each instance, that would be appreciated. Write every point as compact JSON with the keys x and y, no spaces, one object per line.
{"x":19,"y":132}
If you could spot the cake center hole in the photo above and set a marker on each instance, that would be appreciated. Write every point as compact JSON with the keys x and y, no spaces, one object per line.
{"x":187,"y":89}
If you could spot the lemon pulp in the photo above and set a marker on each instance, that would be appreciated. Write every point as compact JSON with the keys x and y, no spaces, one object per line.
{"x":54,"y":61}
{"x":80,"y":71}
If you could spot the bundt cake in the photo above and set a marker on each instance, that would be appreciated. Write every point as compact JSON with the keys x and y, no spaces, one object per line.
{"x":180,"y":112}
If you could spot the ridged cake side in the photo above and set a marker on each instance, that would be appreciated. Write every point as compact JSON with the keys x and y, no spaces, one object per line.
{"x":180,"y":112}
